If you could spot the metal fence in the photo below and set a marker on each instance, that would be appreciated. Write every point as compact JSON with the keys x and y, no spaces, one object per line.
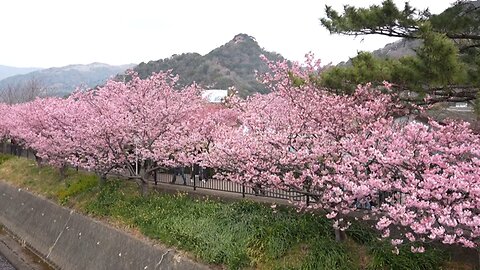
{"x":8,"y":148}
{"x":193,"y":181}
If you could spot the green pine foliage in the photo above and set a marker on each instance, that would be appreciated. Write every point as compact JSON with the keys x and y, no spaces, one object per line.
{"x":447,"y":59}
{"x":384,"y":19}
{"x":439,"y":59}
{"x":437,"y":64}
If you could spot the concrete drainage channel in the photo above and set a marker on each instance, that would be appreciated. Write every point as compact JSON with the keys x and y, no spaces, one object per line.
{"x":68,"y":240}
{"x":17,"y":255}
{"x":4,"y":264}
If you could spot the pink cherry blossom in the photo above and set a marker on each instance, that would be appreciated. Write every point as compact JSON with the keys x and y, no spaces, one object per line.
{"x":419,"y":179}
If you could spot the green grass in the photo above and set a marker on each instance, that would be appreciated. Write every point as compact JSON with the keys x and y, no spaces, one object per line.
{"x":239,"y":235}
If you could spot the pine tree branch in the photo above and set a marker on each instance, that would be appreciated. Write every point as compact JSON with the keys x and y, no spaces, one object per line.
{"x":466,"y":48}
{"x":463,"y":36}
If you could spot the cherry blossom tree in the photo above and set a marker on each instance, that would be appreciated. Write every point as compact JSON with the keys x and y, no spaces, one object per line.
{"x":26,"y":123}
{"x":137,"y":126}
{"x":46,"y":126}
{"x":131,"y":127}
{"x":4,"y":127}
{"x":420,"y":179}
{"x":290,"y":138}
{"x":431,"y":173}
{"x":349,"y":150}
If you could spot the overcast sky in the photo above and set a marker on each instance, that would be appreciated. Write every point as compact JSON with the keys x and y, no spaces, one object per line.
{"x":50,"y":33}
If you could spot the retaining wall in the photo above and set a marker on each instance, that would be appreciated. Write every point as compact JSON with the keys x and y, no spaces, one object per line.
{"x":70,"y":240}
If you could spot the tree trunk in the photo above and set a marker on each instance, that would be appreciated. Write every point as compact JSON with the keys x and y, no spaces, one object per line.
{"x":143,"y":187}
{"x":102,"y":179}
{"x":478,"y":254}
{"x":38,"y":160}
{"x":13,"y":149}
{"x":63,"y":172}
{"x":340,"y":235}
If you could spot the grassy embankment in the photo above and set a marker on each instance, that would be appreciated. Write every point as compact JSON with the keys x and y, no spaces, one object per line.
{"x":237,"y":235}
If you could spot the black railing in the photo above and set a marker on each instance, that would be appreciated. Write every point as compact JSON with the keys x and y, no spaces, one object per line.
{"x":194,"y":181}
{"x":16,"y":150}
{"x":227,"y":186}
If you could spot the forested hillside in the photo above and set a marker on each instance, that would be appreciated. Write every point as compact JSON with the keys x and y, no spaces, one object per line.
{"x":232,"y":64}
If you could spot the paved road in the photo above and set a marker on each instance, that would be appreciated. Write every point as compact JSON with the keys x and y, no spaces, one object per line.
{"x":4,"y":264}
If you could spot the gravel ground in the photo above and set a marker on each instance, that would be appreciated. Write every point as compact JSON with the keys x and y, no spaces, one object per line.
{"x":4,"y":264}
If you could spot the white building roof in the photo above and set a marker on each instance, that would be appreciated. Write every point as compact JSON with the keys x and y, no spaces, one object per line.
{"x":214,"y":95}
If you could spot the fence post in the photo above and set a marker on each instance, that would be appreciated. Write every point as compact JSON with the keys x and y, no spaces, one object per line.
{"x":194,"y":182}
{"x":243,"y":190}
{"x":155,"y":179}
{"x":309,"y":185}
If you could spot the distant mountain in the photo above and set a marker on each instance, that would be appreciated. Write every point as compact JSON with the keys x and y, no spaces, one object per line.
{"x":232,"y":64}
{"x":394,"y":50}
{"x":406,"y":47}
{"x":63,"y":80}
{"x":398,"y":49}
{"x":6,"y":71}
